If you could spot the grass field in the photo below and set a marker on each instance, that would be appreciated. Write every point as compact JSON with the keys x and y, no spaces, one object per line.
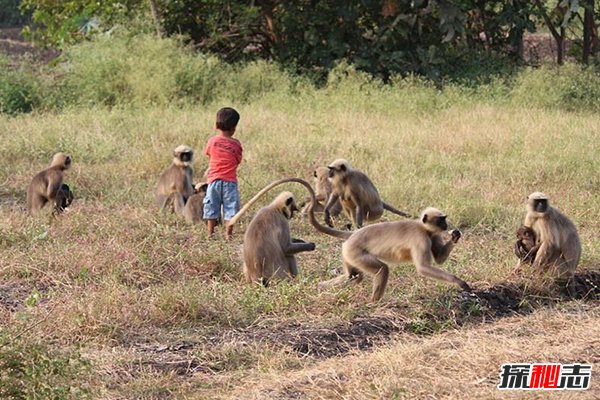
{"x":140,"y":305}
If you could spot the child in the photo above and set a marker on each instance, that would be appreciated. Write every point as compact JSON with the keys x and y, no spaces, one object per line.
{"x":225,"y":154}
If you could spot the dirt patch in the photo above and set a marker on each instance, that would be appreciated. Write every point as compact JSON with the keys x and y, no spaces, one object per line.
{"x":363,"y":333}
{"x":20,"y":50}
{"x":14,"y":295}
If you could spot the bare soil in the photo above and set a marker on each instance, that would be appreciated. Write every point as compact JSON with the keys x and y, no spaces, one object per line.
{"x":364,"y":333}
{"x":21,"y":50}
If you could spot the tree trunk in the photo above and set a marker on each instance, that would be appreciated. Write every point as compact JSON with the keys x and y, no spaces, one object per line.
{"x":558,"y":37}
{"x":588,"y":30}
{"x":156,"y":17}
{"x":560,"y":47}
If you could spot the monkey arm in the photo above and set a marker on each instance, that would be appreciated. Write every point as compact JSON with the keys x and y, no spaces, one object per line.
{"x":297,"y":247}
{"x":531,"y":253}
{"x":440,"y":250}
{"x":359,"y":217}
{"x":54,"y":184}
{"x":546,"y":254}
{"x":332,"y":199}
{"x":424,"y":268}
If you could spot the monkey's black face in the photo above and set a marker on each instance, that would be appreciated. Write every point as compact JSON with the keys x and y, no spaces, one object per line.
{"x":293,"y":209}
{"x":290,"y":207}
{"x":540,"y":205}
{"x":331,"y":172}
{"x":441,"y":223}
{"x":186,"y":157}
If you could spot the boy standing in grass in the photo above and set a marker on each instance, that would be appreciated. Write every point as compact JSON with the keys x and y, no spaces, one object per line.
{"x":225,"y":154}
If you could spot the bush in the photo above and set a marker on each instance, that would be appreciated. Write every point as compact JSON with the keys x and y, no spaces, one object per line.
{"x":571,"y":87}
{"x":31,"y":371}
{"x":143,"y":70}
{"x":19,"y":90}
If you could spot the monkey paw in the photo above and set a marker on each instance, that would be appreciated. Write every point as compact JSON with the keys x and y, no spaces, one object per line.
{"x":455,"y":235}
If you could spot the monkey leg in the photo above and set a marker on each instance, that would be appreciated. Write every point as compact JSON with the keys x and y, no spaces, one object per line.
{"x":376,"y":268}
{"x":37,"y":203}
{"x":516,"y":270}
{"x":436,"y":273}
{"x":372,"y":214}
{"x":178,"y":203}
{"x":254,"y":274}
{"x":350,"y":275}
{"x":292,"y":266}
{"x":570,"y":256}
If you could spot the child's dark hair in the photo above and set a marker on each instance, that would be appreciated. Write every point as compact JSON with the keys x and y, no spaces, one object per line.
{"x":227,"y":119}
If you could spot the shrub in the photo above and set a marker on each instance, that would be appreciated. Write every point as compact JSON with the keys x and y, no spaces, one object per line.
{"x":19,"y":89}
{"x":571,"y":87}
{"x":31,"y":371}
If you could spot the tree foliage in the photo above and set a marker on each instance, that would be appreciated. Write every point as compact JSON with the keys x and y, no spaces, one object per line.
{"x":382,"y":37}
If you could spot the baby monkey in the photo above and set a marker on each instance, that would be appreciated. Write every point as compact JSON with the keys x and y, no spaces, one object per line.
{"x":525,"y":246}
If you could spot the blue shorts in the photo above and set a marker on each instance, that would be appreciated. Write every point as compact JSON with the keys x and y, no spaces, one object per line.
{"x":221,"y":193}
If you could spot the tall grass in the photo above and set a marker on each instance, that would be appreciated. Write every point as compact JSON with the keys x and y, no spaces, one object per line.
{"x":125,"y":70}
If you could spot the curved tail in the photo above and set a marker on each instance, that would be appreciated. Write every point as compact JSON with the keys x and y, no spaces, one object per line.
{"x":395,"y":210}
{"x":311,"y":215}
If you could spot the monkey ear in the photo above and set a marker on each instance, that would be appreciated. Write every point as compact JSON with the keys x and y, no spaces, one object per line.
{"x":289,"y":201}
{"x":424,"y":218}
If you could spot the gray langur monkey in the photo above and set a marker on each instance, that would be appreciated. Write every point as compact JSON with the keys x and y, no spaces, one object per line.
{"x":559,"y":247}
{"x":174,"y":186}
{"x":193,"y":212}
{"x":323,"y":189}
{"x":367,"y":250}
{"x":357,"y":194}
{"x":47,"y":186}
{"x":526,"y":246}
{"x":269,"y":249}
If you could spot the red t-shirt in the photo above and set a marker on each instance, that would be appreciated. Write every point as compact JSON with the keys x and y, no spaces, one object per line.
{"x":225,"y":154}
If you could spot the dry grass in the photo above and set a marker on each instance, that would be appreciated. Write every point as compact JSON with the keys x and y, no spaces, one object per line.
{"x":162,"y":312}
{"x":460,"y":364}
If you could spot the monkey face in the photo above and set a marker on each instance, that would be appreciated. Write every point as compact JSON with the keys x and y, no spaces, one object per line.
{"x":524,"y":233}
{"x":540,"y":205}
{"x":441,"y":222}
{"x":538,"y":202}
{"x":338,"y":166}
{"x":200,"y":188}
{"x":186,"y":157}
{"x":290,"y":208}
{"x":434,"y":220}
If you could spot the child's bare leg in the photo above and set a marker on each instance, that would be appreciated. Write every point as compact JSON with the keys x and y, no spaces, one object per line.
{"x":211,"y":223}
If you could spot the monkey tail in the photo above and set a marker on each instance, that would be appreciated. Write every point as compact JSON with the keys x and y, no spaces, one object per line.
{"x":258,"y":195}
{"x":396,"y":211}
{"x":311,"y":214}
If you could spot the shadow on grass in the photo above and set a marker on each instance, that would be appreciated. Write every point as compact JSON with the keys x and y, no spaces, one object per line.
{"x":480,"y":306}
{"x":449,"y":310}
